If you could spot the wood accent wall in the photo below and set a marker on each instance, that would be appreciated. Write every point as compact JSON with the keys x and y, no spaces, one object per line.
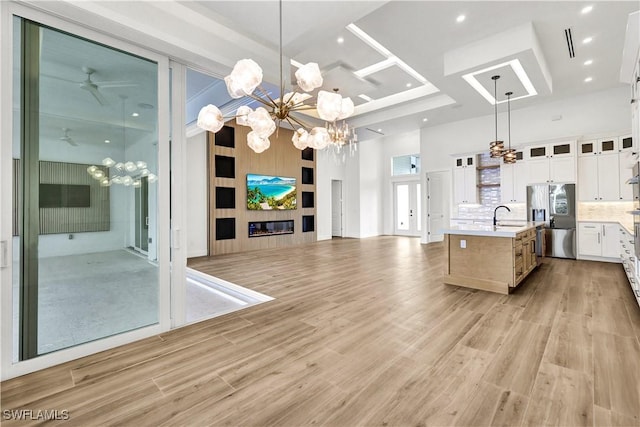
{"x":96,"y":217}
{"x":280,"y":159}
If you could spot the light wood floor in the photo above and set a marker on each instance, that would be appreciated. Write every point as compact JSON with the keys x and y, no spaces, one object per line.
{"x":363,"y":332}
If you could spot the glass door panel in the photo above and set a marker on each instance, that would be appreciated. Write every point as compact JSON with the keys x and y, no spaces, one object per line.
{"x":407,"y":208}
{"x":87,"y":144}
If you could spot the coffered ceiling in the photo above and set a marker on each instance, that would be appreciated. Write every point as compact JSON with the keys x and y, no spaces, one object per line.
{"x":412,"y":59}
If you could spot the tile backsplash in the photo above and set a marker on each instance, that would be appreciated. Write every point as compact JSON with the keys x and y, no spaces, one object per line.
{"x":607,"y":211}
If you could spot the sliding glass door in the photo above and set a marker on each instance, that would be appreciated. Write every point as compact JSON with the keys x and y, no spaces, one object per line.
{"x":85,"y":149}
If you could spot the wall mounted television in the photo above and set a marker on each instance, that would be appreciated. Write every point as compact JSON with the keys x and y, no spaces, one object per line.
{"x":65,"y":196}
{"x":266,"y":192}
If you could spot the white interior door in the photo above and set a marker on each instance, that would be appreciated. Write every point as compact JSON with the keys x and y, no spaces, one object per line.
{"x":407,"y":202}
{"x":336,"y":208}
{"x":437,"y":205}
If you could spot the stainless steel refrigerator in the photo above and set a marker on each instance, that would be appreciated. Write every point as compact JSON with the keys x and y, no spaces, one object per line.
{"x":555,"y":204}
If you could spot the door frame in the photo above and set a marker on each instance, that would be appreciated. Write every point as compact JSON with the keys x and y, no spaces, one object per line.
{"x":9,"y":368}
{"x":446,"y":190}
{"x":340,"y":183}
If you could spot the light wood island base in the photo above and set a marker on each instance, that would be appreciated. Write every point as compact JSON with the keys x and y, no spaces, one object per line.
{"x":495,"y":264}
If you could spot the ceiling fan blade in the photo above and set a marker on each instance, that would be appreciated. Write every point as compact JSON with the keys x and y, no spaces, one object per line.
{"x":117,"y":84}
{"x":72,"y":142}
{"x":93,"y":89}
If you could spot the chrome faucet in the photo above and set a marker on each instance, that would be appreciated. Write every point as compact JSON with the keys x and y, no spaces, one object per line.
{"x":495,"y":222}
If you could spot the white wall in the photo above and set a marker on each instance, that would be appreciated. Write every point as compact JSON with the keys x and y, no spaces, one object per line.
{"x":196,"y":223}
{"x":371,"y":188}
{"x":596,"y":113}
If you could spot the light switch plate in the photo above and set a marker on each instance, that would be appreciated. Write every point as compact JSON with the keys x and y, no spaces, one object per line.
{"x":463,"y":244}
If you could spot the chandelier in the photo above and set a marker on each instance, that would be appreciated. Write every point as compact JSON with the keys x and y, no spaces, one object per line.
{"x":509,"y":155}
{"x":341,"y":134}
{"x":245,"y":80}
{"x":496,"y":147}
{"x":127,"y":173}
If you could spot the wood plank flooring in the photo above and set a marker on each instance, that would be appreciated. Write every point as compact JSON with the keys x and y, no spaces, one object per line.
{"x":363,"y":332}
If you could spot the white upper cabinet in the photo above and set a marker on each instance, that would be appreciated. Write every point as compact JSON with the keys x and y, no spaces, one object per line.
{"x":603,"y":169}
{"x":513,"y":180}
{"x":465,"y":180}
{"x":551,"y":162}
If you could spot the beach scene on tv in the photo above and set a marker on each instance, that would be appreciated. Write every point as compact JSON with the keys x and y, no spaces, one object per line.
{"x":270,"y":192}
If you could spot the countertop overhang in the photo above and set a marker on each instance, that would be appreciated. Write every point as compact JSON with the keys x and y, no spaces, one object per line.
{"x":503,"y":229}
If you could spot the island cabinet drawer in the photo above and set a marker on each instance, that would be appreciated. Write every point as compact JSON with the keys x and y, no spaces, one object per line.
{"x":518,"y":271}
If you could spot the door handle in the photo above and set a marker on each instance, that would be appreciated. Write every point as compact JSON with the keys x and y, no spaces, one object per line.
{"x":598,"y":237}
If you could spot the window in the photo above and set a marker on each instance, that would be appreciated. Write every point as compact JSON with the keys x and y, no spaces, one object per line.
{"x":406,"y":165}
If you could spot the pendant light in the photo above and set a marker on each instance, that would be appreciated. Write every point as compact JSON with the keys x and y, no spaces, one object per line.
{"x":496,"y":147}
{"x":509,"y":155}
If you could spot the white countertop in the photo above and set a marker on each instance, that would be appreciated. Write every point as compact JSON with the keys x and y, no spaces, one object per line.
{"x":503,"y":229}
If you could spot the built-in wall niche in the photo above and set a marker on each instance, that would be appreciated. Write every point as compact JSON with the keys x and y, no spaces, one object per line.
{"x":308,"y":223}
{"x":307,"y":154}
{"x":307,"y":175}
{"x":270,"y":228}
{"x":308,"y":199}
{"x":225,"y":228}
{"x":225,"y":166}
{"x":225,"y":198}
{"x":225,"y":137}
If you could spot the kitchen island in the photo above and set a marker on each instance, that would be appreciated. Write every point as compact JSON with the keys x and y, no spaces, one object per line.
{"x":491,"y":258}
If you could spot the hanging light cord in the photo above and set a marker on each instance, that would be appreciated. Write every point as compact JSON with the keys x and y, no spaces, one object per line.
{"x":509,"y":116}
{"x":495,"y":103}
{"x":281,"y":78}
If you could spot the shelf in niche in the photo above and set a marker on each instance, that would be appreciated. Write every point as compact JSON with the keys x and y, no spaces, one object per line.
{"x":488,"y":167}
{"x":488,"y":185}
{"x":225,"y":137}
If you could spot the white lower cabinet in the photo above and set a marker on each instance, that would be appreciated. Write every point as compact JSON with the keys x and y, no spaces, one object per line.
{"x":601,"y":240}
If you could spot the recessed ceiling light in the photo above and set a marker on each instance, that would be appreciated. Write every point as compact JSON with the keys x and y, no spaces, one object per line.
{"x":135,"y":115}
{"x":425,"y":119}
{"x":379,"y":130}
{"x":106,"y":141}
{"x":340,"y":40}
{"x":588,"y":79}
{"x":408,"y":85}
{"x":460,"y":18}
{"x":586,"y":9}
{"x":588,"y":62}
{"x":587,"y":40}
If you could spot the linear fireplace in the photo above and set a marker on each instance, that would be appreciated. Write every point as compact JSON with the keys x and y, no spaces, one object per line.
{"x":270,"y":228}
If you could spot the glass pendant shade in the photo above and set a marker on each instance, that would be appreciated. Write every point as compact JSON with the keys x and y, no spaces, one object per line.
{"x":210,"y":118}
{"x":244,"y":78}
{"x":108,"y":162}
{"x":242,"y":115}
{"x":308,"y":77}
{"x":257,"y":143}
{"x":261,"y":122}
{"x":318,"y":138}
{"x":329,"y":105}
{"x":300,"y":139}
{"x":347,"y":108}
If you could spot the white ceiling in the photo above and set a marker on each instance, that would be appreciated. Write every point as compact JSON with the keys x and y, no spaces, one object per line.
{"x":418,"y":35}
{"x":421,"y":34}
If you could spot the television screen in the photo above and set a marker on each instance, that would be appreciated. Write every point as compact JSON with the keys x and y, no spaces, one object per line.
{"x":65,"y":196}
{"x":266,"y":192}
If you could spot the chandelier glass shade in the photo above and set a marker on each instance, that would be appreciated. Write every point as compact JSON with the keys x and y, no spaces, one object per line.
{"x":496,"y":147}
{"x":245,"y":81}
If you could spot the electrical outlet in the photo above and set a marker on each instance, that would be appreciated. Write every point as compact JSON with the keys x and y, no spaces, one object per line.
{"x":463,"y":244}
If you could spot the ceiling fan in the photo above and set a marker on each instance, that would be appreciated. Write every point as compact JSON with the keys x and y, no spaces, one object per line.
{"x":94,"y":87}
{"x":91,"y":87}
{"x":66,"y":138}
